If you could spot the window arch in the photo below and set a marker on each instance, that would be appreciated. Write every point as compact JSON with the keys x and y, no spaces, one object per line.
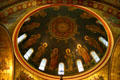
{"x":99,"y":22}
{"x":103,"y":41}
{"x":27,"y":19}
{"x":43,"y":64}
{"x":21,"y":38}
{"x":79,"y":65}
{"x":61,"y":69}
{"x":28,"y":53}
{"x":95,"y":56}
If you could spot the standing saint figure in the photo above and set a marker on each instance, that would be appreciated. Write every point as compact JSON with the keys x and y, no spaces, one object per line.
{"x":92,"y":42}
{"x":41,"y":50}
{"x":68,"y":56}
{"x":83,"y":52}
{"x":32,"y":40}
{"x":54,"y":59}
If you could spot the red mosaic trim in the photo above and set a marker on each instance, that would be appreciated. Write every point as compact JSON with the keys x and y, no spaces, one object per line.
{"x":28,"y":4}
{"x":10,"y":11}
{"x":2,"y":15}
{"x":110,"y":10}
{"x":69,"y":1}
{"x":19,"y":7}
{"x":59,"y":1}
{"x":100,"y":7}
{"x":90,"y":4}
{"x":80,"y":2}
{"x":118,"y":16}
{"x":49,"y":1}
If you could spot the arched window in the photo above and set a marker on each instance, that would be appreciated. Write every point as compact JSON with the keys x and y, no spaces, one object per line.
{"x":99,"y":22}
{"x":61,"y":69}
{"x":102,"y":40}
{"x":21,"y":38}
{"x":28,"y":53}
{"x":80,"y":65}
{"x":95,"y":56}
{"x":28,"y":19}
{"x":43,"y":64}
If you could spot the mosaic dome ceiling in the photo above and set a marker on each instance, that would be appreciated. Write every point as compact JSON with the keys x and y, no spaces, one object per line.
{"x":62,"y":40}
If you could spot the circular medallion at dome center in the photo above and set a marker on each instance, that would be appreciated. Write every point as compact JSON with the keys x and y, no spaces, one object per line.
{"x":62,"y":27}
